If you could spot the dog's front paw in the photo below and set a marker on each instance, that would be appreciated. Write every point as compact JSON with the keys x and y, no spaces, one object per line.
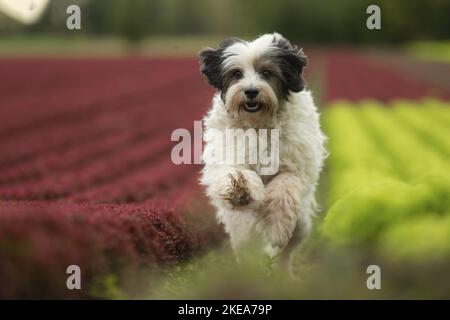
{"x":237,"y":194}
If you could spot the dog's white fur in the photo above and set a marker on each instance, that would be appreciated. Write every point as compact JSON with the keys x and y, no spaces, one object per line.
{"x":282,"y":206}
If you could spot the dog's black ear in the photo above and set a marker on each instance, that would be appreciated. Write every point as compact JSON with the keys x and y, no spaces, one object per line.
{"x":211,"y":66}
{"x":292,"y":60}
{"x":211,"y":62}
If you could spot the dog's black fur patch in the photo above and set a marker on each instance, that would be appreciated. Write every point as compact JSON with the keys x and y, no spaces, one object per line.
{"x":211,"y":62}
{"x":291,"y":61}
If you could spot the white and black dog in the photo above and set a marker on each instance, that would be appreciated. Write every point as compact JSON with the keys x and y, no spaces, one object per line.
{"x":260,"y":85}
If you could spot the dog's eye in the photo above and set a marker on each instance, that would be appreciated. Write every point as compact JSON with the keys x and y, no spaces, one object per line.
{"x":237,"y":74}
{"x":265,"y":74}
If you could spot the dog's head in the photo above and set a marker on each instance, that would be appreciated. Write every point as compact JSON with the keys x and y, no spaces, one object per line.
{"x":255,"y":77}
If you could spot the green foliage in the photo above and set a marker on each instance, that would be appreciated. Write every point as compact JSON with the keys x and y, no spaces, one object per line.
{"x":432,"y":133}
{"x":107,"y":287}
{"x":430,"y":50}
{"x":389,"y":173}
{"x":353,"y":155}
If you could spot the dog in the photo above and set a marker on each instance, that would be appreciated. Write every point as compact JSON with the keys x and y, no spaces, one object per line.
{"x":260,"y":85}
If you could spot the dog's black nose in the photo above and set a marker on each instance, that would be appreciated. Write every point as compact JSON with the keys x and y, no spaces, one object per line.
{"x":251,"y":93}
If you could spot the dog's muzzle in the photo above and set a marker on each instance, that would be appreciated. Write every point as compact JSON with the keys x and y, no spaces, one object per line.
{"x":252,"y":106}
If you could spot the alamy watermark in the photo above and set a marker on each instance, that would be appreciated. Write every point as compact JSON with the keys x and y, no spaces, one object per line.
{"x":73,"y":281}
{"x":373,"y":22}
{"x":374,"y":280}
{"x":233,"y":146}
{"x":73,"y":21}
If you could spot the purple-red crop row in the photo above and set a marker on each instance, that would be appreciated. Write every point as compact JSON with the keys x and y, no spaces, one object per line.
{"x":125,"y":135}
{"x":28,"y":99}
{"x":78,"y":139}
{"x":352,"y":76}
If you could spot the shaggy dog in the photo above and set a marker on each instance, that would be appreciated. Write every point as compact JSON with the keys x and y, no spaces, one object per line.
{"x":260,"y":85}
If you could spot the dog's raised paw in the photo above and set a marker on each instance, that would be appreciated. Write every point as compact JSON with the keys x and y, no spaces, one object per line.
{"x":238,"y":194}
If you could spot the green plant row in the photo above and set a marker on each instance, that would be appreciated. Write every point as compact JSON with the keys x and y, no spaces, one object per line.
{"x":389,"y":177}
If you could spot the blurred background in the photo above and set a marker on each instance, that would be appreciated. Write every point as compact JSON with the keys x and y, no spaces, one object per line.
{"x":305,"y":21}
{"x":86,"y":176}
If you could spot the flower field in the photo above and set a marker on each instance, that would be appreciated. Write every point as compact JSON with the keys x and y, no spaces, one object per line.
{"x":86,"y":176}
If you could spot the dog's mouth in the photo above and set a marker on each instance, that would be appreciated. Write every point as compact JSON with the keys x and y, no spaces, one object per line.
{"x":252,"y":106}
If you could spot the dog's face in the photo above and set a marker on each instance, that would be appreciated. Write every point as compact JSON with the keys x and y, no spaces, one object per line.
{"x":254,"y":78}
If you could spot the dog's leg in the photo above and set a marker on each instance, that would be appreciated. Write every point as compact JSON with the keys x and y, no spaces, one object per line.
{"x":240,"y":228}
{"x":236,"y":193}
{"x":301,"y":230}
{"x":282,"y":212}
